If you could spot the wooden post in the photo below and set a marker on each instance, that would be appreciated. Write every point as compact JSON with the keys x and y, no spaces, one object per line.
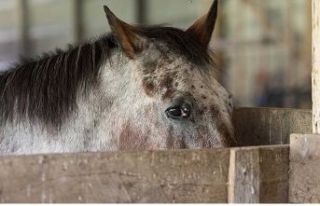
{"x":307,"y":50}
{"x":78,"y":21}
{"x":24,"y":26}
{"x":316,"y":65}
{"x":258,"y":175}
{"x":304,"y":179}
{"x":141,"y":11}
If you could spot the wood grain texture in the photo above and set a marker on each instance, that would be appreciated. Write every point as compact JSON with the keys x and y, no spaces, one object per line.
{"x":243,"y":175}
{"x":274,"y":177}
{"x":259,"y":175}
{"x":316,"y":66}
{"x":269,"y":126}
{"x":304,"y":181}
{"x":171,"y":176}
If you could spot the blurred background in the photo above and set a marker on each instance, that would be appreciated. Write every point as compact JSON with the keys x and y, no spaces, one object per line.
{"x":263,"y":47}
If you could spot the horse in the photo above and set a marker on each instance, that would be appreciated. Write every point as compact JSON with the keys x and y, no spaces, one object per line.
{"x":133,"y":89}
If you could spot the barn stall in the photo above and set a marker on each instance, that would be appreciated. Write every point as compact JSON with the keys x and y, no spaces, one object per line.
{"x":281,"y":164}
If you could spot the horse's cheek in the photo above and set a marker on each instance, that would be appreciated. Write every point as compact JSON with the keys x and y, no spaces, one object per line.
{"x":131,"y":139}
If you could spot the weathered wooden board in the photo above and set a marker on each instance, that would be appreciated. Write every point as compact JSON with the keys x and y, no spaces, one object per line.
{"x":316,"y":66}
{"x":242,"y":175}
{"x":171,"y":176}
{"x":304,"y":173}
{"x":274,"y":177}
{"x":268,"y":126}
{"x":259,"y":174}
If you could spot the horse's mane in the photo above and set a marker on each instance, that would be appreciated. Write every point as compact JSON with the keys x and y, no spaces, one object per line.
{"x":46,"y":88}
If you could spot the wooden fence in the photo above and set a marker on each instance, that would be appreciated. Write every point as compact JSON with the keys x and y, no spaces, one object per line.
{"x":257,"y":174}
{"x":248,"y":174}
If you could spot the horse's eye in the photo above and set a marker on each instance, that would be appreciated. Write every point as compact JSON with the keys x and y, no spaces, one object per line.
{"x":179,"y":112}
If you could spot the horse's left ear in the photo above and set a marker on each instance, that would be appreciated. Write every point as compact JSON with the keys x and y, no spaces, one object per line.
{"x":203,"y":28}
{"x":126,"y":34}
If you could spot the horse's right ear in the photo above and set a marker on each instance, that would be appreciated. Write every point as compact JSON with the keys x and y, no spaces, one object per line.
{"x":126,"y":34}
{"x":203,"y":28}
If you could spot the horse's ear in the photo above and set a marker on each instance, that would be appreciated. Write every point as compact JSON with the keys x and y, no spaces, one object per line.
{"x":203,"y":28}
{"x":126,"y":34}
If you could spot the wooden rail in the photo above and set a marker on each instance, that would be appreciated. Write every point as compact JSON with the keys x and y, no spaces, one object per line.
{"x":257,"y":174}
{"x":239,"y":175}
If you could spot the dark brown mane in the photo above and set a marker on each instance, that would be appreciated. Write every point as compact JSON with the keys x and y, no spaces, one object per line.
{"x":46,"y":88}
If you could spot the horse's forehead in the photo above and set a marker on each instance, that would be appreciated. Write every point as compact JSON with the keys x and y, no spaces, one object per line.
{"x":171,"y":75}
{"x":165,"y":62}
{"x":166,"y":72}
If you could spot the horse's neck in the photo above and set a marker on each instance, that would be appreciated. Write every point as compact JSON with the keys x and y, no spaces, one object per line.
{"x":114,"y":85}
{"x":89,"y":128}
{"x":115,"y":77}
{"x":102,"y":111}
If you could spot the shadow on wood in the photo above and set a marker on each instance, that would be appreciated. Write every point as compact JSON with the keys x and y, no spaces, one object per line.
{"x":270,"y":126}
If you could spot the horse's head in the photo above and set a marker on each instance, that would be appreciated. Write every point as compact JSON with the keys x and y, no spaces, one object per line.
{"x":171,"y":98}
